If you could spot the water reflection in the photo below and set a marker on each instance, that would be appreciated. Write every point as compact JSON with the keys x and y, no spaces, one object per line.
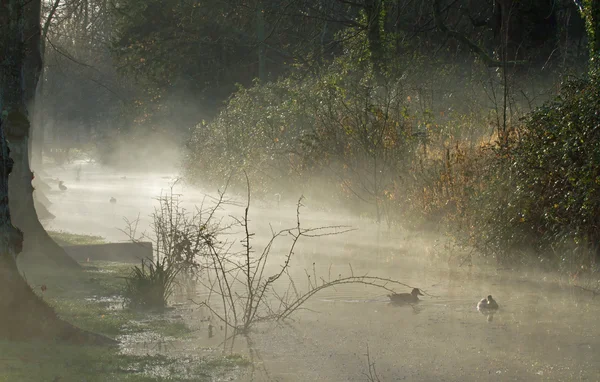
{"x":488,"y":314}
{"x":545,"y":331}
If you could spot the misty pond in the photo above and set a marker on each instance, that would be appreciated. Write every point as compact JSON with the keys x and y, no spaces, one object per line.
{"x":330,"y":190}
{"x":545,"y":329}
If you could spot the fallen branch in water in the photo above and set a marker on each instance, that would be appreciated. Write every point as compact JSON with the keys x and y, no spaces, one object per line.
{"x":593,"y":292}
{"x":292,"y":305}
{"x":247,"y":293}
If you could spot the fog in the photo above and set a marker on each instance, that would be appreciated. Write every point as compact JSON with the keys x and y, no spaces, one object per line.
{"x":544,"y":329}
{"x":414,"y":135}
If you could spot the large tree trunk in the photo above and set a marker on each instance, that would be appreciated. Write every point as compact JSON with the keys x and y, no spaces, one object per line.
{"x":19,"y":305}
{"x":23,"y":314}
{"x":37,"y":240}
{"x":38,"y":244}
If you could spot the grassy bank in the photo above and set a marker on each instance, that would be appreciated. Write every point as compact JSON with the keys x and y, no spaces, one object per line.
{"x":25,"y":362}
{"x":521,"y":189}
{"x":92,"y":300}
{"x":67,"y":238}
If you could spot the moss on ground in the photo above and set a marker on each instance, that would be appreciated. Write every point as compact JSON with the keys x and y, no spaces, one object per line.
{"x":168,"y":328}
{"x":66,"y":238}
{"x":33,"y":361}
{"x":92,"y":300}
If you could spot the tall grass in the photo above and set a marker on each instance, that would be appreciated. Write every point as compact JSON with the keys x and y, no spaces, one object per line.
{"x":150,"y":285}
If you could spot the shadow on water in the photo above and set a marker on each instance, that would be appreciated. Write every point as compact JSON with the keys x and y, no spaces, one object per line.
{"x":541,"y":331}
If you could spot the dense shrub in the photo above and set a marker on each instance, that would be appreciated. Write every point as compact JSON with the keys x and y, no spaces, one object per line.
{"x":343,"y":125}
{"x":542,"y":192}
{"x":379,"y":146}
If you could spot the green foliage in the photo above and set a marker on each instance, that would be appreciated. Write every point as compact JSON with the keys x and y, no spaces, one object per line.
{"x":342,"y":124}
{"x":150,"y":285}
{"x":91,"y":299}
{"x":590,"y":11}
{"x":543,"y":192}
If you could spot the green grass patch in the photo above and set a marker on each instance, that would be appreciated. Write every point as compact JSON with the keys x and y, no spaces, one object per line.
{"x":36,"y":361}
{"x":66,"y":238}
{"x":92,"y":300}
{"x":107,"y":316}
{"x":167,"y":328}
{"x":95,"y":316}
{"x":97,"y":279}
{"x":228,"y":361}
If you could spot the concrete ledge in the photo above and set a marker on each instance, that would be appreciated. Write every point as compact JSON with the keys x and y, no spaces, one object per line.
{"x":119,"y":252}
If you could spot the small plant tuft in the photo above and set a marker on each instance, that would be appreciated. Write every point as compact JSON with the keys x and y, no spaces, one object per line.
{"x":150,"y":285}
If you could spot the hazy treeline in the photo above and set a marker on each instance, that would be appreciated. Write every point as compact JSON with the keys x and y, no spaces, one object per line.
{"x":112,"y":66}
{"x":412,"y":112}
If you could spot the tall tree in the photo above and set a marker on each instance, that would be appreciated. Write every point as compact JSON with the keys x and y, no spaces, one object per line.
{"x":21,"y":191}
{"x":37,"y":133}
{"x":80,"y":89}
{"x":24,"y":315}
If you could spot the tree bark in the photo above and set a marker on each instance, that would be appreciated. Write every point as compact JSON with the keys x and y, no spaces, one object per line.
{"x":17,"y":300}
{"x":373,"y":9}
{"x":19,"y":85}
{"x":23,"y":314}
{"x":590,"y":11}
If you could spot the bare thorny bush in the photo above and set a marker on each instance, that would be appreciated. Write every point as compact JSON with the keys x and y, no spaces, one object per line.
{"x":243,"y":287}
{"x":181,"y":236}
{"x":180,"y":239}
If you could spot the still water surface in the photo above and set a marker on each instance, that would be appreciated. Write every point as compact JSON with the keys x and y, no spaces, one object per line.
{"x":543,"y":331}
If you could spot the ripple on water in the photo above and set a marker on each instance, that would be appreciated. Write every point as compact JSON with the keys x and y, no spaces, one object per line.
{"x":540,"y":332}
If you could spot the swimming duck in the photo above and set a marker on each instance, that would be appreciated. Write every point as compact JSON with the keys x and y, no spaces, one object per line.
{"x":404,"y":298}
{"x":62,"y":186}
{"x":113,"y":200}
{"x":487,"y":304}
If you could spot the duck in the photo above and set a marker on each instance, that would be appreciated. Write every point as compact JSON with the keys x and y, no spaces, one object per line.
{"x":403,"y":298}
{"x":487,"y":304}
{"x":61,"y":185}
{"x":113,"y":200}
